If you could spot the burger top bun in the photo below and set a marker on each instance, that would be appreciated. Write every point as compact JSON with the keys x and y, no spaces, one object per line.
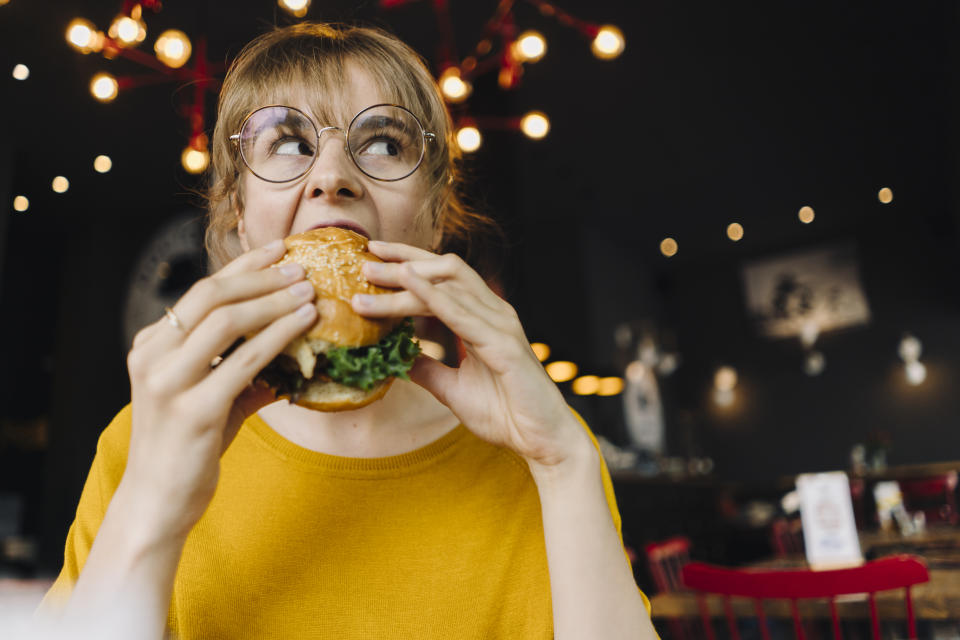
{"x":332,"y":258}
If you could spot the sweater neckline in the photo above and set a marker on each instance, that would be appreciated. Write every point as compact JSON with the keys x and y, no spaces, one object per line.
{"x":308,"y":459}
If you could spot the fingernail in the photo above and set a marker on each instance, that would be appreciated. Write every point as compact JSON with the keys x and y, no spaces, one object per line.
{"x":373,"y":268}
{"x":362,"y":300}
{"x":301,"y":289}
{"x":305,"y":311}
{"x":292,"y":270}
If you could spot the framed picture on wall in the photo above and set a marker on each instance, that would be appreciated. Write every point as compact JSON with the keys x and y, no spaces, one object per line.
{"x":813,"y":290}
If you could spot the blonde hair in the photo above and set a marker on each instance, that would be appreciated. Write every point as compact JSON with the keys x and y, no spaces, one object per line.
{"x":310,"y":60}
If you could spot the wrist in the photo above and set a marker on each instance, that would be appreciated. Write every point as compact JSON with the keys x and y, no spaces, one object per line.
{"x":578,"y":461}
{"x":147,"y":523}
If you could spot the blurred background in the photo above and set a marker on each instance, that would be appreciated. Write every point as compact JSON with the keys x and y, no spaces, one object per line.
{"x":741,"y":230}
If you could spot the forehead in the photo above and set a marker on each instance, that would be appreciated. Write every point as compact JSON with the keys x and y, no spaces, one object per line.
{"x":331,"y":98}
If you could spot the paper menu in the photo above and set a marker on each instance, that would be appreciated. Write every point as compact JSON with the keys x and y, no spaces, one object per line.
{"x":829,"y":528}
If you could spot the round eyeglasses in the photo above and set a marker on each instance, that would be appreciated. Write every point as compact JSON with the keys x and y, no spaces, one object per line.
{"x":280,"y":144}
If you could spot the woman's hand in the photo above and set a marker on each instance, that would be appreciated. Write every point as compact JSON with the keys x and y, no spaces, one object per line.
{"x":185,"y":412}
{"x":500,"y":391}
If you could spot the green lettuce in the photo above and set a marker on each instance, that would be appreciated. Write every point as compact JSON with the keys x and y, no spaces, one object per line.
{"x":364,"y":367}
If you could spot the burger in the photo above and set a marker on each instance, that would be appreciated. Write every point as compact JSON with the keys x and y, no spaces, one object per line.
{"x":345,"y":360}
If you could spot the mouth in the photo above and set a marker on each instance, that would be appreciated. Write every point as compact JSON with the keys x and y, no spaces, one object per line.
{"x":343,"y":224}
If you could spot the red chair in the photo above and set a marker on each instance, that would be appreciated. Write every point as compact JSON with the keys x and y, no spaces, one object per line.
{"x":666,"y":559}
{"x":936,"y":497}
{"x":786,"y":537}
{"x":880,"y":575}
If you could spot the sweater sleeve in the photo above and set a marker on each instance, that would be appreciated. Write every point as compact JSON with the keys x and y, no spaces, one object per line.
{"x":102,"y":480}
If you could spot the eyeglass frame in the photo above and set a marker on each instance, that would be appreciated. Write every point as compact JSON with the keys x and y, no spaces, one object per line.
{"x":428,"y":136}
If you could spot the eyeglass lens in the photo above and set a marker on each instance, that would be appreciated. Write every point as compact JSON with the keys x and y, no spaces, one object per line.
{"x":279,"y":143}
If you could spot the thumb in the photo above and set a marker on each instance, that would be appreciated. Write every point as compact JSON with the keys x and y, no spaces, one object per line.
{"x":434,"y":376}
{"x":252,"y":399}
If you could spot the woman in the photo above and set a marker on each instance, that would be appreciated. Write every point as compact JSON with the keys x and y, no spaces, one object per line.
{"x":468,"y":503}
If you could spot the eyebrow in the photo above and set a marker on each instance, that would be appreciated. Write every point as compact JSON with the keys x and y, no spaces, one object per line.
{"x":377,"y":122}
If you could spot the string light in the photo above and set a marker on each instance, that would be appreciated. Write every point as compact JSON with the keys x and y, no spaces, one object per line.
{"x":297,"y":8}
{"x":83,"y":36}
{"x":194,"y":161}
{"x":561,"y":371}
{"x":610,"y":386}
{"x":469,"y":138}
{"x":586,"y":385}
{"x":453,"y":87}
{"x":21,"y":72}
{"x":885,"y":195}
{"x":530,"y":46}
{"x":60,"y":184}
{"x":535,"y":125}
{"x":806,"y":215}
{"x":20,"y":203}
{"x":608,"y":43}
{"x":102,"y":164}
{"x":104,"y":87}
{"x":735,"y":231}
{"x":669,"y":247}
{"x":127,"y":31}
{"x":173,"y":48}
{"x":540,"y":350}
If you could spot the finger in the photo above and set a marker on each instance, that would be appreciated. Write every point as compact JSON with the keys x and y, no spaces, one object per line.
{"x":224,"y":325}
{"x":436,"y":269}
{"x":214,"y":292}
{"x":253,"y":398}
{"x":228,"y":380}
{"x":434,"y":376}
{"x":463,"y":314}
{"x":254,"y":259}
{"x":398,"y":251}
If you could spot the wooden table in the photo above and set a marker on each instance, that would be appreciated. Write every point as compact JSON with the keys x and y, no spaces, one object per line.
{"x":938,"y":599}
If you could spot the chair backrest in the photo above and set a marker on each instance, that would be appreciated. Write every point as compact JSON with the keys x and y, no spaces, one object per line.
{"x":665,"y":559}
{"x":786,"y":536}
{"x":794,"y":584}
{"x":936,"y":496}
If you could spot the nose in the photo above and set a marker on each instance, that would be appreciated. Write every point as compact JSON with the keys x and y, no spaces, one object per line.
{"x":333,"y":175}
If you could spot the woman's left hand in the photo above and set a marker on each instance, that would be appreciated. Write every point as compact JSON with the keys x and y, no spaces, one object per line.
{"x":500,"y":391}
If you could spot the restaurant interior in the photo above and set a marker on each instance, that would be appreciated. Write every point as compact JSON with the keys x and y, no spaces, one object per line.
{"x":731,"y":233}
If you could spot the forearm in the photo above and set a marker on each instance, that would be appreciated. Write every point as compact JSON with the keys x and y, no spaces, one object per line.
{"x":125,"y":587}
{"x":593,"y":590}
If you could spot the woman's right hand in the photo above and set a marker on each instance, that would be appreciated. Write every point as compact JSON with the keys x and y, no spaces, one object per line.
{"x":185,"y":412}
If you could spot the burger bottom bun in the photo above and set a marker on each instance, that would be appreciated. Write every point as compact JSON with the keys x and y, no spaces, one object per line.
{"x":333,"y":396}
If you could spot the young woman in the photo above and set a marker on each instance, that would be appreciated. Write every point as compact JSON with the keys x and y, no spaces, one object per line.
{"x":469,"y":503}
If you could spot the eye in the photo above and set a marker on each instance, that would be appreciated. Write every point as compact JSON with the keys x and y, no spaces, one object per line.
{"x":383,"y":147}
{"x":292,"y":147}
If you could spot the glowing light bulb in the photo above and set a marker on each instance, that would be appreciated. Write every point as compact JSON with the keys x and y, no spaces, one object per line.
{"x":725,"y":379}
{"x":82,"y":35}
{"x":535,"y":125}
{"x":561,"y":371}
{"x":173,"y":48}
{"x":916,"y":372}
{"x":885,"y":195}
{"x":104,"y":87}
{"x":127,"y":31}
{"x":21,"y":72}
{"x":469,"y":138}
{"x":453,"y":87}
{"x":20,"y":203}
{"x":60,"y":184}
{"x":806,"y":215}
{"x":540,"y":350}
{"x":586,"y":385}
{"x":669,"y":247}
{"x":530,"y":46}
{"x":102,"y":164}
{"x":194,"y":161}
{"x":608,"y":43}
{"x":910,"y":348}
{"x":296,"y":8}
{"x":610,"y":386}
{"x":735,"y":231}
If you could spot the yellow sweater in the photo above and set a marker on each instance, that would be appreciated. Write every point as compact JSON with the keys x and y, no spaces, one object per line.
{"x":444,"y":542}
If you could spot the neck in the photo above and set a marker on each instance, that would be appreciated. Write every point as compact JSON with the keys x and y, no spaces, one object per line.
{"x":406,"y":418}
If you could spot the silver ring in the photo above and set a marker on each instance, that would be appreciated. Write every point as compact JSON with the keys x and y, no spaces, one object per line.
{"x":173,"y":319}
